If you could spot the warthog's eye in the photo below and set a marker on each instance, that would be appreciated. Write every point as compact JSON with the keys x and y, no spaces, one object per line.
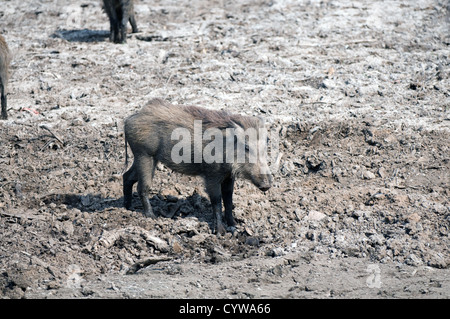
{"x":247,"y":148}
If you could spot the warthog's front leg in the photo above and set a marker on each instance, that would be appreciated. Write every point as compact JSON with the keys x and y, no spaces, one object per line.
{"x":227,"y":196}
{"x":215,"y":196}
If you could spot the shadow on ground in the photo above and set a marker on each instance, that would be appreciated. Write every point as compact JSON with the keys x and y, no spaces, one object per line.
{"x":83,"y":35}
{"x":163,"y":206}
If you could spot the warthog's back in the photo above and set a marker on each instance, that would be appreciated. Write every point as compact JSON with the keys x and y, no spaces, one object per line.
{"x":162,"y":112}
{"x":157,"y":118}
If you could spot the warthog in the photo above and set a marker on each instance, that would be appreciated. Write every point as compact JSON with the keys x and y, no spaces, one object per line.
{"x":217,"y":145}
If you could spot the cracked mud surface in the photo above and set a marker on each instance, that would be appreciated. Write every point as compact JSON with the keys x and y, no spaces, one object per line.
{"x":356,"y":91}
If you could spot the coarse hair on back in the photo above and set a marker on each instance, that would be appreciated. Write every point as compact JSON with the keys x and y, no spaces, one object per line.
{"x":221,"y":119}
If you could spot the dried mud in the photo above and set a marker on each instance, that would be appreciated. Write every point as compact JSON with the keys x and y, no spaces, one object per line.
{"x":356,"y":91}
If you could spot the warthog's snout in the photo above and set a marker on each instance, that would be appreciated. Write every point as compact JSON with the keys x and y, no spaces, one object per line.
{"x":266,"y":183}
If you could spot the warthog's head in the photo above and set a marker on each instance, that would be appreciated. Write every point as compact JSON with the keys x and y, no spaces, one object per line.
{"x":250,"y":152}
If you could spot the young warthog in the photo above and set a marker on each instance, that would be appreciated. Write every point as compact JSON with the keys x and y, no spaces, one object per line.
{"x":119,"y":13}
{"x":5,"y":58}
{"x":216,"y":145}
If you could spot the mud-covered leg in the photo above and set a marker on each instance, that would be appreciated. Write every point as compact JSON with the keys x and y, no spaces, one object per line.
{"x":145,"y":167}
{"x":215,"y":195}
{"x":227,"y":196}
{"x":129,"y":179}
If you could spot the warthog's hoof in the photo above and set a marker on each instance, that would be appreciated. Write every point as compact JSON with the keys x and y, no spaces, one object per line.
{"x":149,"y":214}
{"x":220,"y":229}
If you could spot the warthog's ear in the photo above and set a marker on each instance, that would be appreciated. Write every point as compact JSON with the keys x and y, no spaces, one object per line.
{"x":237,"y":127}
{"x":233,"y":124}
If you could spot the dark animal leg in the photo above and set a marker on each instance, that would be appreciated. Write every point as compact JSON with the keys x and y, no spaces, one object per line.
{"x":145,"y":168}
{"x":129,"y":179}
{"x":215,"y":196}
{"x":3,"y":98}
{"x":113,"y":22}
{"x":134,"y":28}
{"x":227,"y":196}
{"x":123,"y":20}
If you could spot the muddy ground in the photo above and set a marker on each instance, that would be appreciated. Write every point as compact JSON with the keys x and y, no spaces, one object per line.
{"x":357,"y":92}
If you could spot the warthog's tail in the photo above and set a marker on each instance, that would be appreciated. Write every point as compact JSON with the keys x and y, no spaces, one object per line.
{"x":126,"y":155}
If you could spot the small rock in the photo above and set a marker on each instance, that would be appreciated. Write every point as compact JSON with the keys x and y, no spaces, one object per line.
{"x":310,"y":235}
{"x":197,"y":239}
{"x":67,"y":228}
{"x":413,"y":260}
{"x":248,"y":231}
{"x":377,"y":239}
{"x":413,"y":86}
{"x":314,"y":163}
{"x":176,"y":247}
{"x":437,"y":260}
{"x":287,"y":167}
{"x":77,"y":122}
{"x":315,"y":215}
{"x":413,"y":218}
{"x":368,"y":175}
{"x":390,"y":139}
{"x":53,"y":285}
{"x":401,"y":199}
{"x":382,"y":172}
{"x":299,"y":214}
{"x":361,"y":213}
{"x":277,"y":252}
{"x":314,"y":129}
{"x":252,"y":241}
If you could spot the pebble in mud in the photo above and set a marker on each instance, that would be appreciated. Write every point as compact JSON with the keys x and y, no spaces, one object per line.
{"x":368,"y":175}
